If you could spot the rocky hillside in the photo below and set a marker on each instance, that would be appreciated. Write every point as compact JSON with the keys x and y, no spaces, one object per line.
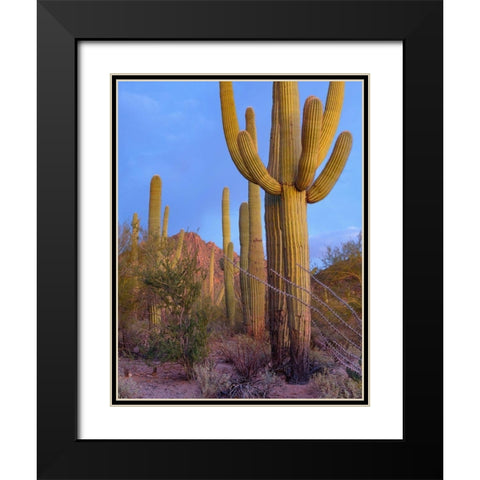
{"x":192,"y":242}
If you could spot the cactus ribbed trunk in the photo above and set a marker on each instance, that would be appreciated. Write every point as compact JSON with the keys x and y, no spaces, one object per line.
{"x":227,"y":265}
{"x":256,"y":262}
{"x":211,"y":286}
{"x":154,"y":208}
{"x":134,"y":238}
{"x":229,"y":290}
{"x":277,"y":308}
{"x":155,"y":314}
{"x":154,"y":235}
{"x":294,"y":230}
{"x":244,"y":227}
{"x":165,"y":223}
{"x":296,"y":254}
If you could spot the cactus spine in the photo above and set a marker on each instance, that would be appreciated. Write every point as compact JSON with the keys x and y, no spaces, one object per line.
{"x":227,"y":266}
{"x":154,"y":208}
{"x":243,"y":225}
{"x":295,"y":154}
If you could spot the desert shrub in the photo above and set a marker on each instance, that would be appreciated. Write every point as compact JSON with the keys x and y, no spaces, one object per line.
{"x":320,"y":362}
{"x":178,"y":339}
{"x":211,"y":381}
{"x":335,"y":386}
{"x":176,"y":283}
{"x":128,"y":388}
{"x":259,"y":387}
{"x":247,"y":355}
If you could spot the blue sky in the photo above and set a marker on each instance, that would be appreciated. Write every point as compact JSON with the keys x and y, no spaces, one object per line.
{"x":174,"y":129}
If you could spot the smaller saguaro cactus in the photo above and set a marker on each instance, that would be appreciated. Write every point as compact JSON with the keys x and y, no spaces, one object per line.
{"x":165,"y":223}
{"x":134,"y":238}
{"x":154,"y":208}
{"x":243,"y":225}
{"x":256,"y":262}
{"x":220,"y":295}
{"x":229,"y":289}
{"x":211,"y":286}
{"x":227,"y":266}
{"x":178,"y":251}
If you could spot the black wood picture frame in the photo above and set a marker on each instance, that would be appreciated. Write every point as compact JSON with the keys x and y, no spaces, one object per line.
{"x":419,"y":26}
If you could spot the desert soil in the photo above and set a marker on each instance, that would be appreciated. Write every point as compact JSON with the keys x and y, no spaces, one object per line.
{"x":169,"y":381}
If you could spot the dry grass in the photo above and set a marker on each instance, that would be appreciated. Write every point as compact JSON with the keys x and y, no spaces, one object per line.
{"x":247,"y":356}
{"x":128,"y":388}
{"x":211,"y":381}
{"x":335,"y":386}
{"x":259,"y":387}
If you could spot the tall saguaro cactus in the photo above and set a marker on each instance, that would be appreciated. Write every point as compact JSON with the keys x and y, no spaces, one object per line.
{"x":256,"y":262}
{"x":227,"y":266}
{"x":154,"y":233}
{"x":244,"y":231}
{"x":296,"y":152}
{"x":154,"y":208}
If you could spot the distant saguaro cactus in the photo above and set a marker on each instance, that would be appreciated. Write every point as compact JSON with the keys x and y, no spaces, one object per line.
{"x":295,"y":154}
{"x":229,"y":290}
{"x":244,"y":230}
{"x":154,"y":208}
{"x":227,"y":266}
{"x":211,"y":275}
{"x":178,"y":251}
{"x":166,"y":213}
{"x":134,"y":238}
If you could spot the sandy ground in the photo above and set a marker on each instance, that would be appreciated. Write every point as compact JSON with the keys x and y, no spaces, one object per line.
{"x":168,"y":381}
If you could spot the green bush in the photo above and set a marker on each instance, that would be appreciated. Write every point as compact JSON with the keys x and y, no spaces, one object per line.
{"x":179,"y":339}
{"x":176,"y":283}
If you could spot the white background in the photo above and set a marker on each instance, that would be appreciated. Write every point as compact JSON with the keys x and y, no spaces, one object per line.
{"x":18,"y":193}
{"x":383,"y":418}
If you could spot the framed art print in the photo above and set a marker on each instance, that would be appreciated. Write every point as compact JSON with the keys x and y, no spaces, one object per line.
{"x":237,"y":219}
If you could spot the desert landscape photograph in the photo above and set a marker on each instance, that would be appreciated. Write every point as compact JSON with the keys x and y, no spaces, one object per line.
{"x":240,"y":240}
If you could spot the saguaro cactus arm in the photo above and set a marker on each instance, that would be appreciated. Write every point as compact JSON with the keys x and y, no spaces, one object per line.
{"x":256,"y":168}
{"x":334,"y":167}
{"x":311,"y":134}
{"x":250,"y":125}
{"x":331,"y":117}
{"x":241,"y":145}
{"x":231,"y":128}
{"x":165,"y":222}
